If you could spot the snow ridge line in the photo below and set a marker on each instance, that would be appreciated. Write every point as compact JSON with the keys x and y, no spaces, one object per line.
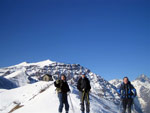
{"x":18,"y":105}
{"x":41,"y":91}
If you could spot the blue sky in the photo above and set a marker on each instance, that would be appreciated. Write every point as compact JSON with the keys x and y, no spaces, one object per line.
{"x":110,"y":37}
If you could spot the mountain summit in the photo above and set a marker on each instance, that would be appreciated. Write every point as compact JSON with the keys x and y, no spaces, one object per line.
{"x":143,"y":78}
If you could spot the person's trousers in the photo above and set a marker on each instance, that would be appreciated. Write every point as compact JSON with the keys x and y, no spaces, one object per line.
{"x":84,"y":99}
{"x":127,"y":104}
{"x":63,"y":100}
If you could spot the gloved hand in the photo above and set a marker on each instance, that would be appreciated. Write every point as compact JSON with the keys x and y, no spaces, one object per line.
{"x":68,"y":93}
{"x":57,"y":81}
{"x":83,"y":90}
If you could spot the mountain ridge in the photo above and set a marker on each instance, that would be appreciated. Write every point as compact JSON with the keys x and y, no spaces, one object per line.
{"x":27,"y":73}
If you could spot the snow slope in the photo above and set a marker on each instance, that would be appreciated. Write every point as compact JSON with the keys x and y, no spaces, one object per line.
{"x":41,"y":97}
{"x":18,"y":77}
{"x":6,"y":84}
{"x":19,"y":96}
{"x":142,"y":85}
{"x":116,"y":82}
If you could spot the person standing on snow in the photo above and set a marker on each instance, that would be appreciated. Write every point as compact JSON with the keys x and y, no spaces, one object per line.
{"x":127,"y":93}
{"x":84,"y":88}
{"x":62,"y":89}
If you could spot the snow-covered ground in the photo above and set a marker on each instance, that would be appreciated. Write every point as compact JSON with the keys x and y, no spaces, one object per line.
{"x":20,"y":96}
{"x":33,"y":98}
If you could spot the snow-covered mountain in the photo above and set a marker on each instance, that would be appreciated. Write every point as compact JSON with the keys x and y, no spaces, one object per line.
{"x":143,"y":78}
{"x":116,"y":82}
{"x":27,"y":75}
{"x":29,"y":94}
{"x":142,"y":85}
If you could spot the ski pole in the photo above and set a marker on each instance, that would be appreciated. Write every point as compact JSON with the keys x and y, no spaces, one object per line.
{"x":134,"y":108}
{"x":120,"y":107}
{"x":71,"y":104}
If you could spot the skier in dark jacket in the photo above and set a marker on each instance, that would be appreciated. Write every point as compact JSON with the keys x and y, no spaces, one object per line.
{"x":127,"y":93}
{"x":62,"y":90}
{"x":84,"y":88}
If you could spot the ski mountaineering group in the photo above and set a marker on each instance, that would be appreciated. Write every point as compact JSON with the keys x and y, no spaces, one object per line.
{"x":126,"y":92}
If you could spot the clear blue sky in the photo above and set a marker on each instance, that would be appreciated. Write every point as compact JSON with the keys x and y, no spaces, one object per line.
{"x":110,"y":37}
